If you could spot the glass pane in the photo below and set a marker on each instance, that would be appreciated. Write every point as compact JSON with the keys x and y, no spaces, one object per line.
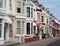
{"x":18,"y":4}
{"x":0,"y":29}
{"x":18,"y":31}
{"x":23,"y":27}
{"x":10,"y":4}
{"x":18,"y":24}
{"x":31,"y":28}
{"x":31,"y":12}
{"x":42,"y":18}
{"x":28,"y":28}
{"x":28,"y":11}
{"x":0,"y":20}
{"x":23,"y":24}
{"x":5,"y":4}
{"x":1,"y":3}
{"x":22,"y":30}
{"x":38,"y":16}
{"x":18,"y":10}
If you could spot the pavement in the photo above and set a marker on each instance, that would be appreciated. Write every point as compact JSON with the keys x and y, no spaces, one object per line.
{"x":43,"y":42}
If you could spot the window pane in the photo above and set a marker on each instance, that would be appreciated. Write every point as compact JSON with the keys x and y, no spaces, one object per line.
{"x":10,"y":4}
{"x":47,"y":20}
{"x":18,"y":24}
{"x":42,"y":18}
{"x":28,"y":11}
{"x":5,"y":4}
{"x":18,"y":31}
{"x":28,"y":28}
{"x":31,"y":12}
{"x":0,"y":30}
{"x":23,"y":24}
{"x":18,"y":10}
{"x":18,"y":4}
{"x":1,"y":3}
{"x":22,"y":30}
{"x":0,"y":20}
{"x":38,"y":16}
{"x":31,"y":28}
{"x":28,"y":0}
{"x":23,"y":27}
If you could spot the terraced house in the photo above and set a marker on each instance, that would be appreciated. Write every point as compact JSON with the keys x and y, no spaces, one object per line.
{"x":11,"y":19}
{"x":25,"y":21}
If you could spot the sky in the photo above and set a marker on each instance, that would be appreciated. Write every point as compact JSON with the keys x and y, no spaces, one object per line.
{"x":53,"y":6}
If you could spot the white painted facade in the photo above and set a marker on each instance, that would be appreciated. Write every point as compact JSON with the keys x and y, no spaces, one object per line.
{"x":5,"y":20}
{"x":29,"y":4}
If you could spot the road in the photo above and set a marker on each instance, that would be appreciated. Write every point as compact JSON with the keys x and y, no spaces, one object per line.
{"x":56,"y":43}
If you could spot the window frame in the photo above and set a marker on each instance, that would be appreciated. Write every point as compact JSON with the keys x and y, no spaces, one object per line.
{"x":17,"y":3}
